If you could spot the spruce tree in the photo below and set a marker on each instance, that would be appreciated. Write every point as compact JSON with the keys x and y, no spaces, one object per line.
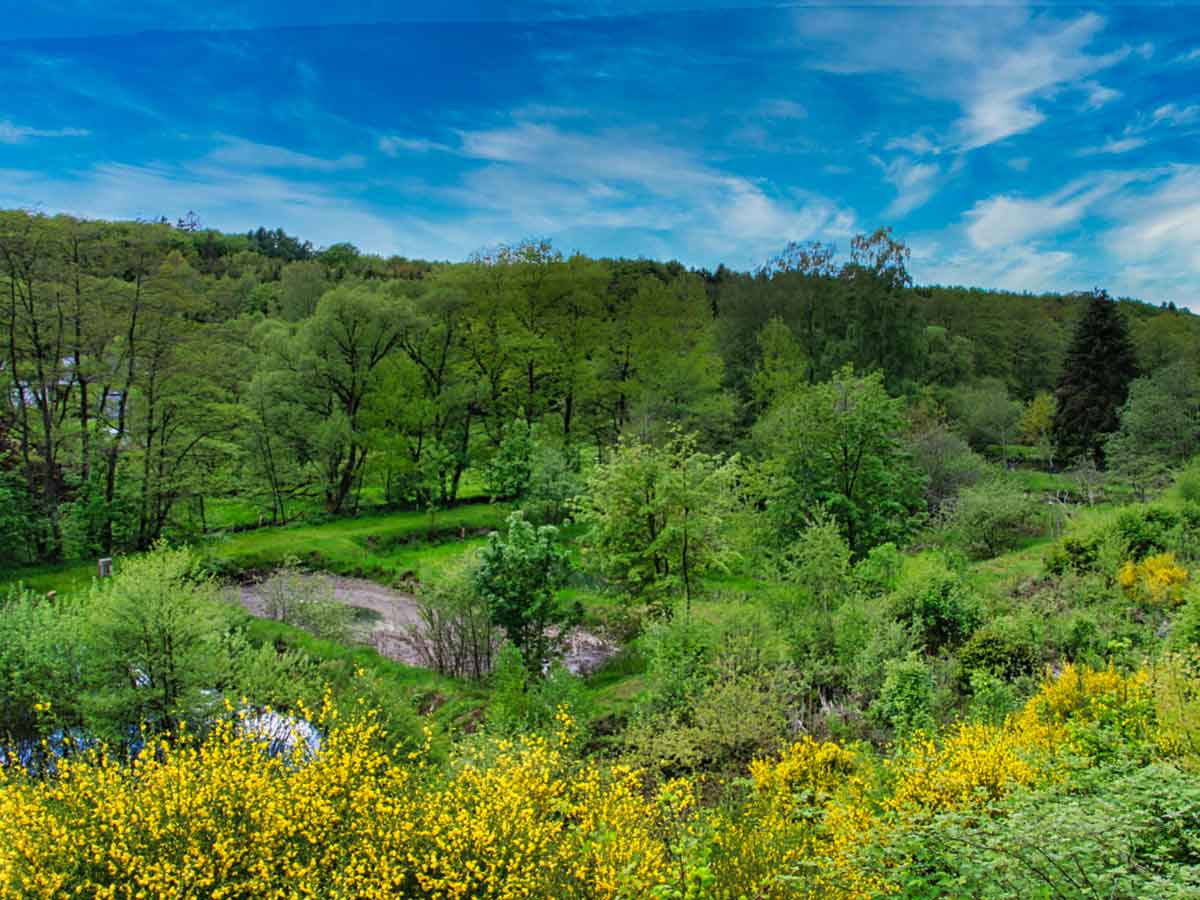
{"x":1095,"y":379}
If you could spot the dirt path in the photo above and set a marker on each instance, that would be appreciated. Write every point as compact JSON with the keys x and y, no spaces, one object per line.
{"x":395,"y":615}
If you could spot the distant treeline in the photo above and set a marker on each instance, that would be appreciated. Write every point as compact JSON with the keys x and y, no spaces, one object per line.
{"x":152,"y":367}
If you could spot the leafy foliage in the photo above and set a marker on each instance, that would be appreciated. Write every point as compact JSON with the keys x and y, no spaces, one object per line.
{"x":518,"y":576}
{"x":840,"y":445}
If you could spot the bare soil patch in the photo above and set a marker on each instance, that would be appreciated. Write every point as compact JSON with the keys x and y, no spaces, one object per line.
{"x":392,"y":615}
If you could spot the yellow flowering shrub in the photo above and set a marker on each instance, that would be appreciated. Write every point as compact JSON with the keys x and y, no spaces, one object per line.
{"x":807,"y":814}
{"x":217,"y":818}
{"x":971,"y":763}
{"x":1157,"y":580}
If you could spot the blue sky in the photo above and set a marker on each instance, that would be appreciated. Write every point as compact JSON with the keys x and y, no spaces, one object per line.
{"x":1051,"y":147}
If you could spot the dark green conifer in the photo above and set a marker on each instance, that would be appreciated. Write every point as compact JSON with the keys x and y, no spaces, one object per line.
{"x":1095,"y":379}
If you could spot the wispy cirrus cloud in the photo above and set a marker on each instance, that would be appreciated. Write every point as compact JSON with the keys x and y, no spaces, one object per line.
{"x":997,"y":69}
{"x":915,"y":183}
{"x":1157,"y":236}
{"x":235,"y":198}
{"x":12,"y":133}
{"x":1009,"y":219}
{"x":546,"y":178}
{"x":1115,"y":145}
{"x":394,"y":145}
{"x":241,"y":153}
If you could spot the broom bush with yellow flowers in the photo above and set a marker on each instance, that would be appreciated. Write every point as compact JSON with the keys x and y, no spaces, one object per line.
{"x":1157,"y":580}
{"x":217,"y":817}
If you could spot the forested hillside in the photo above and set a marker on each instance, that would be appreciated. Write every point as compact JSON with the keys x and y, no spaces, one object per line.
{"x":545,"y":576}
{"x":168,"y":380}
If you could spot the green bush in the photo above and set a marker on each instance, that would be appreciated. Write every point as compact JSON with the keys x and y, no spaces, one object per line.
{"x":936,"y":603}
{"x":992,"y":698}
{"x":555,"y":484}
{"x":307,"y":601}
{"x":1185,"y":629}
{"x":999,"y":649}
{"x":865,"y":638}
{"x":154,"y":646}
{"x":1188,"y":482}
{"x":736,"y":717}
{"x":905,"y":702}
{"x":818,"y":561}
{"x":991,"y":518}
{"x":40,"y":665}
{"x":879,"y":571}
{"x":1111,"y":832}
{"x":677,"y":653}
{"x":1081,"y":639}
{"x":1146,"y":530}
{"x":1073,"y":554}
{"x":521,"y":704}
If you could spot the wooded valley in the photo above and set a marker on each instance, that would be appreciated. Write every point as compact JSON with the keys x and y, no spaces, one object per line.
{"x":539,"y":575}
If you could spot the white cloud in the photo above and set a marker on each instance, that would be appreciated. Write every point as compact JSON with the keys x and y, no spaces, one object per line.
{"x":1189,"y":57}
{"x":11,"y":133}
{"x":1020,"y":163}
{"x":998,"y":65}
{"x":917,"y":144}
{"x":1006,"y":220}
{"x":1002,"y":100}
{"x":915,"y":183}
{"x":1097,"y":94}
{"x":1158,"y":238}
{"x":539,"y":178}
{"x":1114,"y":145}
{"x":1020,"y":267}
{"x":392,"y":145}
{"x":225,"y":197}
{"x":782,"y":109}
{"x":243,"y":154}
{"x":1173,"y":116}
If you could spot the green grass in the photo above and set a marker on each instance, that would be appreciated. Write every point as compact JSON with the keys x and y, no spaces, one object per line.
{"x":384,"y":547}
{"x":448,"y":702}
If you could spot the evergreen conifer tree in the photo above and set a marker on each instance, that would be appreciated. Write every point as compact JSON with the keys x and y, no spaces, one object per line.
{"x":1094,"y":384}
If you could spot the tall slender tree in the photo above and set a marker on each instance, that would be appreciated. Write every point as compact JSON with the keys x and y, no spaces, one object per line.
{"x":1094,"y":385}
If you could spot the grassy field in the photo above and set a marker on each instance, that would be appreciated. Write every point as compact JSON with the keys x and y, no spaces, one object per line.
{"x":382,"y":546}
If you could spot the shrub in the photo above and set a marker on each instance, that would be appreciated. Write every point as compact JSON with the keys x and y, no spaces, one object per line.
{"x":678,"y":654}
{"x":998,"y":649}
{"x":40,"y":665}
{"x":518,"y":576}
{"x":507,"y":474}
{"x":1185,"y":630}
{"x":154,"y":646}
{"x":1113,"y":832}
{"x":818,"y":561}
{"x":1187,"y":483}
{"x":306,"y":601}
{"x":991,"y":518}
{"x":936,"y":603}
{"x":906,"y":700}
{"x":1074,"y":554}
{"x":866,"y":638}
{"x":1155,"y":581}
{"x":992,"y":699}
{"x":521,"y":704}
{"x":879,"y":571}
{"x":736,"y":717}
{"x":454,"y":634}
{"x":555,"y":484}
{"x":948,"y":462}
{"x":1145,"y":530}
